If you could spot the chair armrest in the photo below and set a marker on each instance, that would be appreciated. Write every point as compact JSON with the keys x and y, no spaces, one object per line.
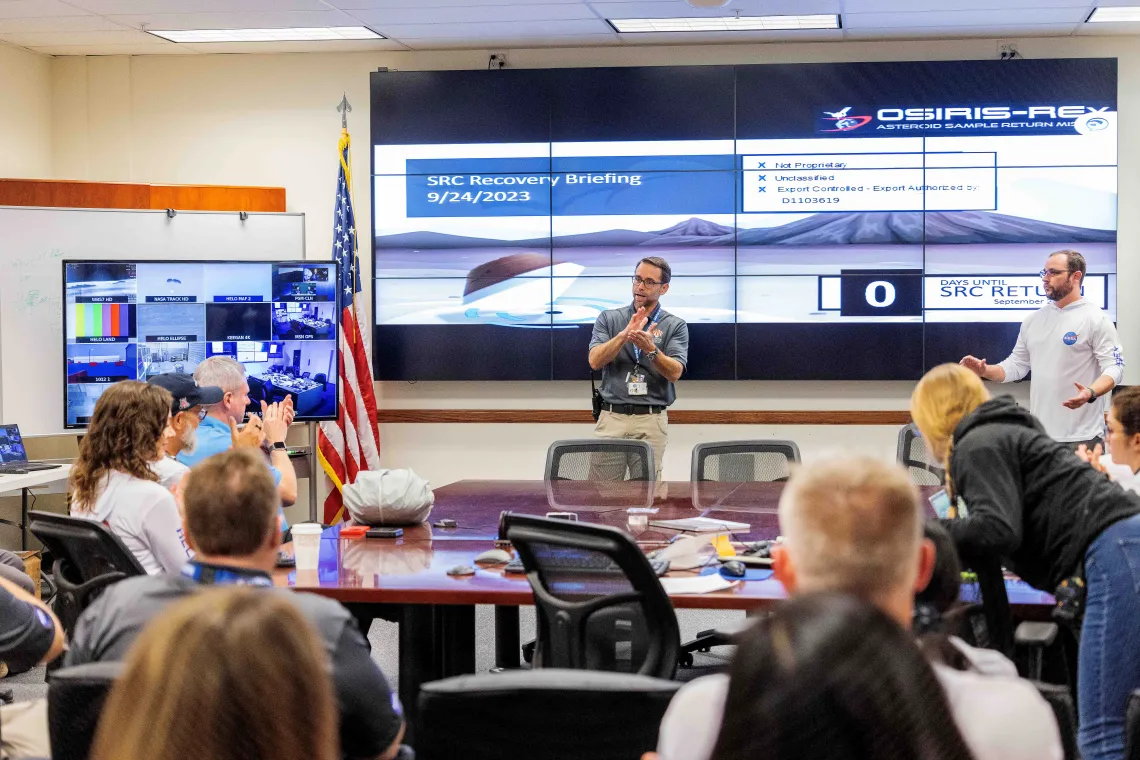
{"x":1035,"y":634}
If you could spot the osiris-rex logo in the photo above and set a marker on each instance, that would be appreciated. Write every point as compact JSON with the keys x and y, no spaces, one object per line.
{"x":984,"y":113}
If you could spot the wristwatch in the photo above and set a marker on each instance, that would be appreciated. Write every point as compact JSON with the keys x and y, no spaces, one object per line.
{"x":652,"y":355}
{"x":1092,"y":396}
{"x":279,"y":446}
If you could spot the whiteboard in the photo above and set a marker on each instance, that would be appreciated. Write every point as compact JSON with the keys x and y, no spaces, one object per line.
{"x":35,"y":241}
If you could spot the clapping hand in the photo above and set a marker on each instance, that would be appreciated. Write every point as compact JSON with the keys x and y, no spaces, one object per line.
{"x":643,"y":339}
{"x":975,"y":365}
{"x":1092,"y":457}
{"x":249,"y":435}
{"x":636,"y":322}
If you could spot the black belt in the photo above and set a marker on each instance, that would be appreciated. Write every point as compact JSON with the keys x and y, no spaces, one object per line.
{"x":632,"y":409}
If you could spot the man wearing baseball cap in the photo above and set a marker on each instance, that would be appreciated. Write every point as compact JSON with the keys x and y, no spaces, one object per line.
{"x":190,"y":405}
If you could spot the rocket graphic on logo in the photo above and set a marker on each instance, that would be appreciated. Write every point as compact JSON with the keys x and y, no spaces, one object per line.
{"x":843,"y":122}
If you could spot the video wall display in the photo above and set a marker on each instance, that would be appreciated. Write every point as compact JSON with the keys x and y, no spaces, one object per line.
{"x":132,"y":320}
{"x":823,"y":221}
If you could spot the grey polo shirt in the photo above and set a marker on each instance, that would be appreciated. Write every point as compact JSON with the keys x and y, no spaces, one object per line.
{"x":370,"y":714}
{"x":673,"y":341}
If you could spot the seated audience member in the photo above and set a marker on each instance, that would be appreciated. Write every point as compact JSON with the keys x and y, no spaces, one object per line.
{"x":230,"y":674}
{"x":218,"y":429}
{"x":1049,"y":518}
{"x":1123,"y":440}
{"x":12,"y":569}
{"x":186,"y":411}
{"x":832,"y":676}
{"x":937,"y":603}
{"x":230,"y":512}
{"x":112,"y":481}
{"x":30,"y":634}
{"x":854,"y":525}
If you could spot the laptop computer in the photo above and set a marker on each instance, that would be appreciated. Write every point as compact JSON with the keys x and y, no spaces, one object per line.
{"x":13,"y":458}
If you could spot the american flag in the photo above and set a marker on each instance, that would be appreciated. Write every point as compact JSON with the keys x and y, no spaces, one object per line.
{"x":352,"y":442}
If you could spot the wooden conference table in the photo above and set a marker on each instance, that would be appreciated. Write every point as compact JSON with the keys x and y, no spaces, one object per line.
{"x":436,"y":612}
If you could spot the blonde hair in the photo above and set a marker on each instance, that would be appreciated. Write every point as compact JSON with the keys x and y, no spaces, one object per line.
{"x":941,"y":399}
{"x":227,"y":674}
{"x":852,"y":524}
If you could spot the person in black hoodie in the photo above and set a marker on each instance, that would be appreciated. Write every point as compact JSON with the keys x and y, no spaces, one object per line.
{"x":1049,"y":516}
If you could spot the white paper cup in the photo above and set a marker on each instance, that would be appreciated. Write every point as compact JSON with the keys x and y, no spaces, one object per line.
{"x":307,"y":545}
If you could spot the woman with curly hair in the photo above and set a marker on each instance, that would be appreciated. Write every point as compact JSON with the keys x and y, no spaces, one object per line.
{"x":112,"y":480}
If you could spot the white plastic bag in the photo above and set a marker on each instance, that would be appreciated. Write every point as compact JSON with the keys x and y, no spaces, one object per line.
{"x":389,"y":498}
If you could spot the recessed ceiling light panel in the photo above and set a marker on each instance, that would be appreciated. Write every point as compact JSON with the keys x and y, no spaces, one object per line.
{"x":296,"y":34}
{"x":1108,"y":15}
{"x":725,"y":23}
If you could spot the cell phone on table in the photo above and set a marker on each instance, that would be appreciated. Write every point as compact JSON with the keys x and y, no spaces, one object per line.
{"x":940,"y":500}
{"x":384,"y":532}
{"x":572,"y":516}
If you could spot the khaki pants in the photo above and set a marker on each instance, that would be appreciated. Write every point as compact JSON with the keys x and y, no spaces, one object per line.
{"x":24,"y":727}
{"x":653,"y":428}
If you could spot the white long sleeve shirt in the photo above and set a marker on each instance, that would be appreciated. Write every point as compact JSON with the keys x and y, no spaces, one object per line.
{"x":1076,"y":344}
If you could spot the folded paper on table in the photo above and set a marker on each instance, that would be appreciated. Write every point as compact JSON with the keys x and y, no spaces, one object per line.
{"x":701,"y":524}
{"x":688,"y":552}
{"x":701,"y":584}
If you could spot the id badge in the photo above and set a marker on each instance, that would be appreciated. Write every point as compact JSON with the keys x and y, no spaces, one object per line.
{"x":635,"y":384}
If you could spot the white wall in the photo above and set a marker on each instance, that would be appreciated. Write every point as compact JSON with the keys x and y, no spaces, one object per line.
{"x":271,"y":120}
{"x":25,"y":113}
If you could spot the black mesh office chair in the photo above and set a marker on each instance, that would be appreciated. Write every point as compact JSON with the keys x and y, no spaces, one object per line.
{"x":1132,"y":727}
{"x":75,"y":701}
{"x":321,"y":378}
{"x":1060,"y":699}
{"x":88,"y":558}
{"x":744,"y":461}
{"x":600,"y":459}
{"x":598,"y":601}
{"x":553,"y":714}
{"x":913,"y":454}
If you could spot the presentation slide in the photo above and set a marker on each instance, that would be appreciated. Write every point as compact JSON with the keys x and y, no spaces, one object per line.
{"x":135,"y":320}
{"x":864,"y":221}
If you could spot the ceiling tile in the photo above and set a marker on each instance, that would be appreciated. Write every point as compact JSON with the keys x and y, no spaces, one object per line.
{"x":474,"y":14}
{"x":876,"y":6}
{"x":36,"y":9}
{"x":351,"y":5}
{"x":41,"y":39}
{"x":58,"y":24}
{"x":141,"y":7}
{"x":962,"y":18}
{"x":238,"y":20}
{"x":501,"y":30}
{"x":485,"y":43}
{"x":168,"y":49}
{"x":958,"y":32}
{"x":666,"y":8}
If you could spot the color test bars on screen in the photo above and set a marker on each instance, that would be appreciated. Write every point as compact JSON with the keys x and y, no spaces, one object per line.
{"x":102,"y":320}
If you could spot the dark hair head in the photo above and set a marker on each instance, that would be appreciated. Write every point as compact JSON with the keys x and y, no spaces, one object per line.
{"x":123,"y":435}
{"x":1074,"y":261}
{"x":660,"y":263}
{"x":1126,"y":409}
{"x":830,"y":677}
{"x":946,"y":580}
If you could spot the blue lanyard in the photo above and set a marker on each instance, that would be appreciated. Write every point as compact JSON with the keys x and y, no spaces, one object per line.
{"x":652,"y":321}
{"x":222,"y":576}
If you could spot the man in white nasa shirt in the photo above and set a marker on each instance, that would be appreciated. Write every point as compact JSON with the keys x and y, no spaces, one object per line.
{"x":1074,"y":352}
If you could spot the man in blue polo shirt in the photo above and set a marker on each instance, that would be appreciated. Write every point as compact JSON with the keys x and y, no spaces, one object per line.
{"x":218,"y":429}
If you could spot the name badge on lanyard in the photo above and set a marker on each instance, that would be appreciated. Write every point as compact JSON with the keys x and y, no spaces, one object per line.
{"x":635,"y":383}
